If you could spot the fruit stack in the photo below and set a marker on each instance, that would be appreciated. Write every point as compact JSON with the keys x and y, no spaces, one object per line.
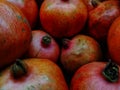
{"x":59,"y":44}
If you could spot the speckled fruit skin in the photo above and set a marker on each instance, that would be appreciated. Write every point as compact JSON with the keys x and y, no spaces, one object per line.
{"x":42,"y":75}
{"x":114,"y":41}
{"x":29,"y":9}
{"x":15,"y":33}
{"x":101,"y":18}
{"x":89,"y":77}
{"x":63,"y":18}
{"x":81,"y":50}
{"x":39,"y":50}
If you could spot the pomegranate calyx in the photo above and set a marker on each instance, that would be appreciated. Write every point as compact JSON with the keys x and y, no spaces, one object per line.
{"x":19,"y":68}
{"x":46,"y":40}
{"x":111,"y":72}
{"x":95,"y":2}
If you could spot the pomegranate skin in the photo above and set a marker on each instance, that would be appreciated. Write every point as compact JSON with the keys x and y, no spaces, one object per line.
{"x":90,"y":77}
{"x":63,"y":18}
{"x":38,"y":49}
{"x":80,"y":50}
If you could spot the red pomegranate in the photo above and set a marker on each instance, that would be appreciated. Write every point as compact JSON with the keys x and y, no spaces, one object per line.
{"x":96,"y":76}
{"x":78,"y":51}
{"x":113,"y":41}
{"x":63,"y":18}
{"x":29,"y":9}
{"x":15,"y":33}
{"x":101,"y":18}
{"x":43,"y":46}
{"x":33,"y":74}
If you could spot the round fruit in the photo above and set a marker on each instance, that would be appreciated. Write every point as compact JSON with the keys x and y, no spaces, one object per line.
{"x":114,"y":41}
{"x":33,"y":74}
{"x":96,"y":76}
{"x":78,"y":51}
{"x":29,"y":9}
{"x":43,"y":46}
{"x":15,"y":33}
{"x":63,"y":18}
{"x":101,"y":18}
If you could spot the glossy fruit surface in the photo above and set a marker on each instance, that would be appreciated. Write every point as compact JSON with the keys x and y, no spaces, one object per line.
{"x":114,"y":41}
{"x":63,"y":18}
{"x":78,"y":51}
{"x":91,"y":77}
{"x":43,"y":46}
{"x":29,"y":9}
{"x":41,"y":75}
{"x":101,"y":18}
{"x":15,"y":33}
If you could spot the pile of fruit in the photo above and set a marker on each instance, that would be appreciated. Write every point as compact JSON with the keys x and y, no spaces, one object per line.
{"x":59,"y":45}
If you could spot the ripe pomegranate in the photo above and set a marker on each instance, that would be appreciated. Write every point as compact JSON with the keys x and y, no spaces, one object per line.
{"x":15,"y":33}
{"x":78,"y":51}
{"x":114,"y":41}
{"x":96,"y":76}
{"x":33,"y":74}
{"x":63,"y":18}
{"x":29,"y":9}
{"x":43,"y":46}
{"x":101,"y":18}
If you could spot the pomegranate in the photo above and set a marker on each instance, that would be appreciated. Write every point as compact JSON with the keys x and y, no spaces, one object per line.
{"x":33,"y":74}
{"x":63,"y":18}
{"x":78,"y":51}
{"x":96,"y":76}
{"x":15,"y":33}
{"x":43,"y":46}
{"x":29,"y":9}
{"x":113,"y":41}
{"x":101,"y":18}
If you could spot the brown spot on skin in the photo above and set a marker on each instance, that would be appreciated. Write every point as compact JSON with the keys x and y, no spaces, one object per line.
{"x":26,"y":22}
{"x":3,"y":41}
{"x":19,"y":17}
{"x":23,"y":30}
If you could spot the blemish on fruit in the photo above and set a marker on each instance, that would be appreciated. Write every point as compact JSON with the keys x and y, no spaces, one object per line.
{"x":3,"y":41}
{"x":22,"y":0}
{"x":25,"y":21}
{"x":31,"y":87}
{"x":23,"y":30}
{"x":19,"y":17}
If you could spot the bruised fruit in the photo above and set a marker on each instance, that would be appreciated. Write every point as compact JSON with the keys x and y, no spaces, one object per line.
{"x":63,"y":18}
{"x":43,"y":46}
{"x":78,"y":51}
{"x":33,"y":74}
{"x":15,"y":33}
